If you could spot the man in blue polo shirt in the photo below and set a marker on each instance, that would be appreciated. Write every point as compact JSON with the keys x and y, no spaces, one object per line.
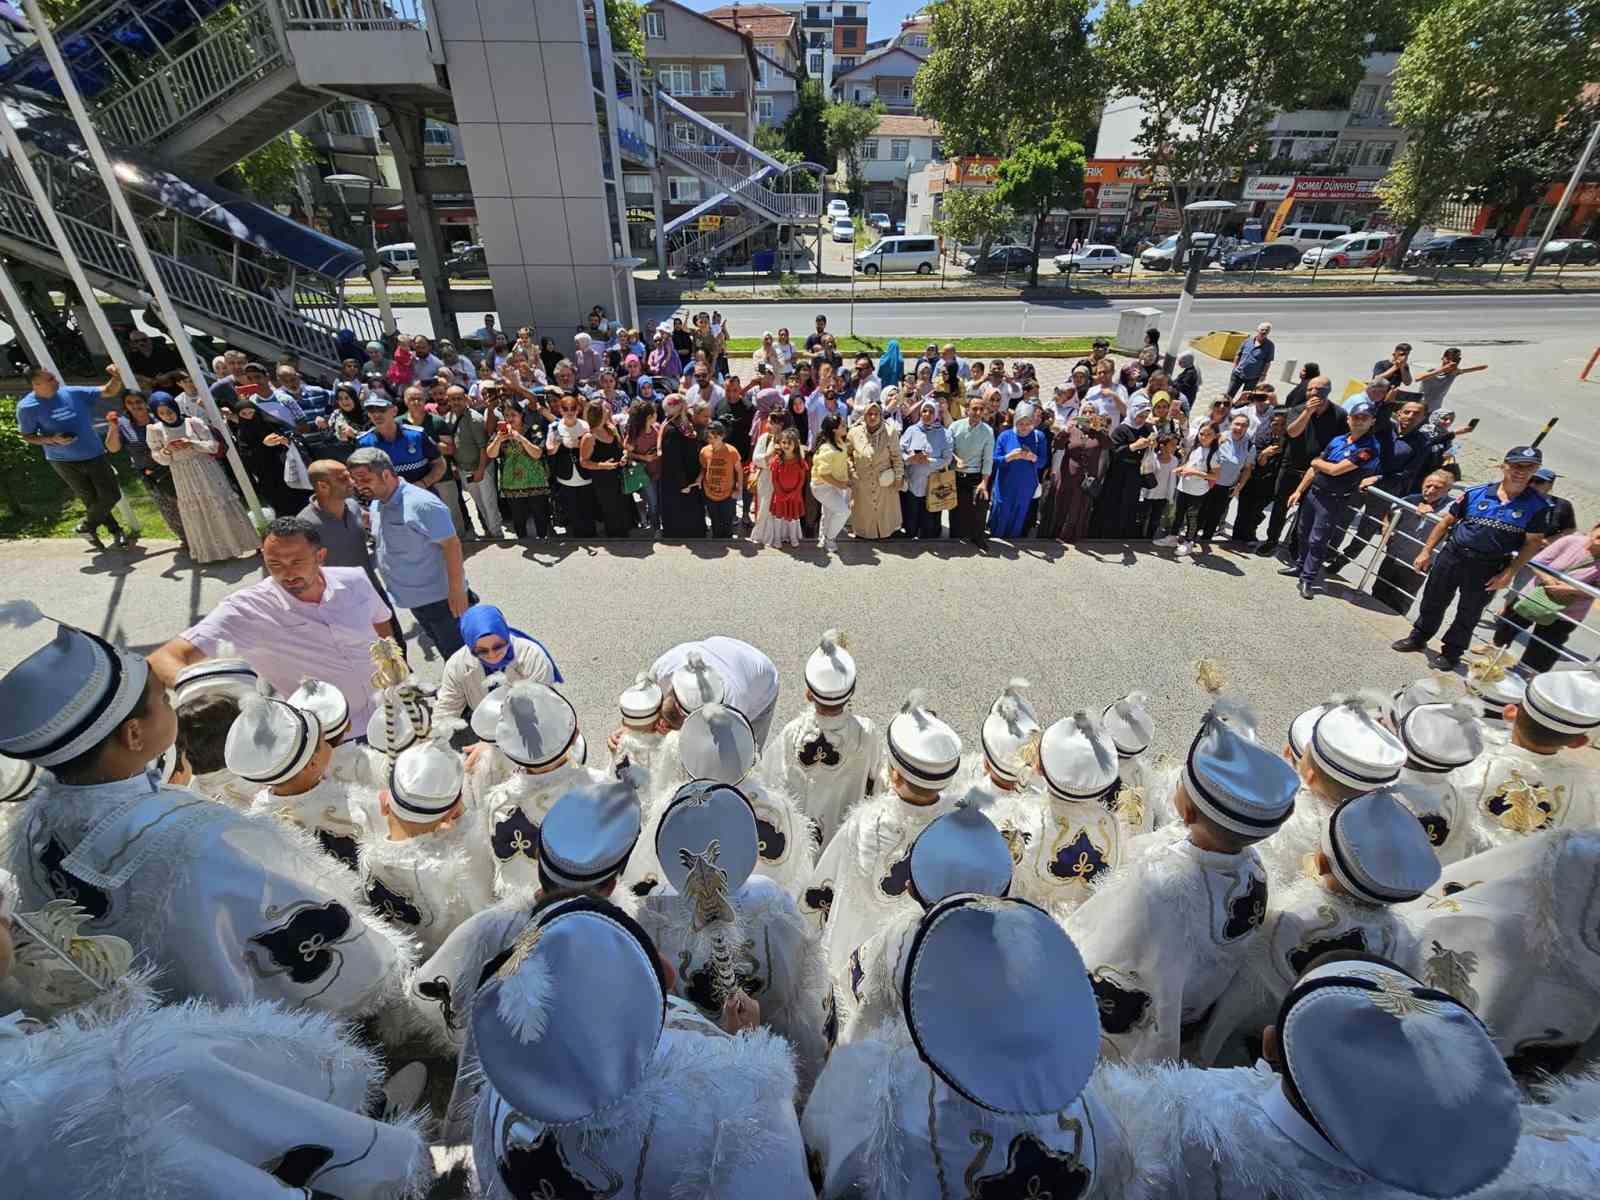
{"x":419,"y":554}
{"x":61,"y":420}
{"x":1488,"y":535}
{"x":1327,"y":488}
{"x":1253,"y":361}
{"x":415,"y":455}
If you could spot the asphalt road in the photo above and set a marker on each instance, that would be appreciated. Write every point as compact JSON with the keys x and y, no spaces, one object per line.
{"x":1084,"y":624}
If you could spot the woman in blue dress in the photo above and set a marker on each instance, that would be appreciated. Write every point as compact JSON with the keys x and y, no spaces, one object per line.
{"x":1021,"y":454}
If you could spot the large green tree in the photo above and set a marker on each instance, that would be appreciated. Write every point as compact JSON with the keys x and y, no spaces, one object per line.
{"x":272,"y":173}
{"x":972,"y":217}
{"x":1002,"y":71}
{"x":848,"y":126}
{"x":1210,"y":73}
{"x":804,"y":129}
{"x":1044,"y":174}
{"x":1479,"y":83}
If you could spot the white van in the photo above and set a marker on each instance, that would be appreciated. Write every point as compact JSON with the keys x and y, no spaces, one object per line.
{"x":1304,"y":236}
{"x":400,"y":258}
{"x":901,"y":253}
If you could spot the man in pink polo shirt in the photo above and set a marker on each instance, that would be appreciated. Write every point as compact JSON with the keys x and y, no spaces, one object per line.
{"x":304,"y":620}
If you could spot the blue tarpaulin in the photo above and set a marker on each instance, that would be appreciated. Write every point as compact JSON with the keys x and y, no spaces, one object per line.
{"x":241,"y":219}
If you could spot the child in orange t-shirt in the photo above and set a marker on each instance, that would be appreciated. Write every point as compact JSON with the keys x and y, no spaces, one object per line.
{"x":781,"y":521}
{"x":720,"y":480}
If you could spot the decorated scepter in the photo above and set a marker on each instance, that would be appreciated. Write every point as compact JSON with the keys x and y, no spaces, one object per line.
{"x":395,"y":683}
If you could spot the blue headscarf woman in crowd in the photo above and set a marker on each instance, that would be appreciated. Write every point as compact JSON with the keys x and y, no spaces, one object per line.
{"x":492,"y":648}
{"x":890,"y":372}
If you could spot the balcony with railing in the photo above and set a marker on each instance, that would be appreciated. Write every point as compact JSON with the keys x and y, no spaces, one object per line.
{"x":715,"y":100}
{"x":346,"y":128}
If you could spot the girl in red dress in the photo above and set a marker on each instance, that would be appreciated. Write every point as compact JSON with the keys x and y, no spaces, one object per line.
{"x":781,"y":523}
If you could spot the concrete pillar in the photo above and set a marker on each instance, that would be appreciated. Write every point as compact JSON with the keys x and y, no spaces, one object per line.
{"x":403,"y":132}
{"x":658,"y":199}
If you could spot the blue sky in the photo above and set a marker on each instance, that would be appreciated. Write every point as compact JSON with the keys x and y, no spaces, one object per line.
{"x":883,"y":16}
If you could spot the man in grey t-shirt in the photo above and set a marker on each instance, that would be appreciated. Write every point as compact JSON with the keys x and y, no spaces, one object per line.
{"x":476,"y":472}
{"x":1436,"y":384}
{"x":340,"y":525}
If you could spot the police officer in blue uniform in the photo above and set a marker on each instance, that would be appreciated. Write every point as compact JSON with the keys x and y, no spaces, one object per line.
{"x":1327,"y":489}
{"x":1488,"y":534}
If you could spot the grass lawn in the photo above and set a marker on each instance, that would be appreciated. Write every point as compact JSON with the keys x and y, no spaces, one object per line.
{"x":911,"y":345}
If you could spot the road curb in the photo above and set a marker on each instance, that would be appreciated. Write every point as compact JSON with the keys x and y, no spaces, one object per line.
{"x":732,"y":297}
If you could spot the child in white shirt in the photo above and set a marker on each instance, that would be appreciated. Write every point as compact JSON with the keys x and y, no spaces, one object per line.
{"x":1196,"y":478}
{"x":1163,"y":464}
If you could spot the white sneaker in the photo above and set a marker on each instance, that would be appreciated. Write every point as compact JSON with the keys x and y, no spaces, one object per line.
{"x":831,"y":547}
{"x":1185,"y":549}
{"x":1169,"y":540}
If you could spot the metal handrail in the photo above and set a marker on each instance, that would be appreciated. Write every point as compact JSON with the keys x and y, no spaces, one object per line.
{"x":709,"y":241}
{"x":753,"y":190}
{"x":355,"y":14}
{"x":230,"y":58}
{"x":312,"y":334}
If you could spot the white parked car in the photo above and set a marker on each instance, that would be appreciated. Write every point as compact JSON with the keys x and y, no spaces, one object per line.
{"x":844,"y":229}
{"x":1094,"y":258}
{"x":837,"y":209}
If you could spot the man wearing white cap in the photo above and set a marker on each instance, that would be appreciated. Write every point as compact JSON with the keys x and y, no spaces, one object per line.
{"x":723,"y":929}
{"x":1164,"y":937}
{"x":716,"y":743}
{"x":1493,"y":681}
{"x":1510,"y":933}
{"x":983,"y":1082}
{"x":1079,"y":839}
{"x":538,"y":731}
{"x":425,"y":858}
{"x":1374,"y":855}
{"x":203,"y":725}
{"x":1534,"y":782}
{"x":961,"y":852}
{"x":280,"y":749}
{"x":1002,"y":776}
{"x":1374,"y":1084}
{"x":827,"y":757}
{"x":1440,"y":736}
{"x":597,"y":1084}
{"x":863,"y":878}
{"x":229,"y":908}
{"x":1340,"y":749}
{"x":730,"y":672}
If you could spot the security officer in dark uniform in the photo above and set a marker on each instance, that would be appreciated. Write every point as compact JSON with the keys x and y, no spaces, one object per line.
{"x":1327,"y":489}
{"x":1488,"y":534}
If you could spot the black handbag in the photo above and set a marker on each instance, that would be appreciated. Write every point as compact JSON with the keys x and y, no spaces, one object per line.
{"x":1092,"y":485}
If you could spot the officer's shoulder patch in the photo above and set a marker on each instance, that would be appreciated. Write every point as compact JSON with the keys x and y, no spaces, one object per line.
{"x":1363,"y":456}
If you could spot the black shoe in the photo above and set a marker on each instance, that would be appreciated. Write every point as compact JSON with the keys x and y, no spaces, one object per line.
{"x":1408,"y":645}
{"x":1289,"y":569}
{"x":1441,"y":661}
{"x":1267,"y":549}
{"x":92,"y":536}
{"x":1306,"y":590}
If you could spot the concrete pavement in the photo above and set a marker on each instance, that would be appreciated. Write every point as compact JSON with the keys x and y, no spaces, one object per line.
{"x":1084,"y":624}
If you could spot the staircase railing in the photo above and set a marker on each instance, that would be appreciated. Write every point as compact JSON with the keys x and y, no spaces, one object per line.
{"x":208,"y":298}
{"x":227,"y":60}
{"x":704,"y":243}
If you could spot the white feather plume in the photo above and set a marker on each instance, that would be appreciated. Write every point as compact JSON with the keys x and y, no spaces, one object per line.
{"x":916,"y":703}
{"x":443,"y":730}
{"x":1236,"y":713}
{"x":696,"y":662}
{"x":523,"y":1003}
{"x":20,"y":614}
{"x":1016,"y":685}
{"x":832,"y":640}
{"x":1449,"y":1055}
{"x":1129,"y":706}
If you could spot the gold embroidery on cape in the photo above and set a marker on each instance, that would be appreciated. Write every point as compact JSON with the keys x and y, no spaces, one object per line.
{"x":1452,"y":971}
{"x":1529,"y":807}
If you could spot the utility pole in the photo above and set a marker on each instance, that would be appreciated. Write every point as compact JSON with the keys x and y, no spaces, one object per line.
{"x":1561,"y":205}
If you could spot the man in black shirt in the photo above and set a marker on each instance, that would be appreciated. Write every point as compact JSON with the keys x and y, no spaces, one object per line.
{"x":1565,"y":519}
{"x":1311,"y":426}
{"x":155,"y":363}
{"x":816,"y":337}
{"x":737,"y":414}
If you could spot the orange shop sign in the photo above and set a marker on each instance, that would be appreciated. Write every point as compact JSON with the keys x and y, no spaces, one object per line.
{"x":972,"y":170}
{"x":1117,"y":170}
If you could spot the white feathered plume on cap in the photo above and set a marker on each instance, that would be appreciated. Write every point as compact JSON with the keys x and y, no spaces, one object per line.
{"x":916,"y":702}
{"x":1011,"y":706}
{"x":1129,"y":706}
{"x":525,"y":987}
{"x":834,"y":640}
{"x":1090,"y":729}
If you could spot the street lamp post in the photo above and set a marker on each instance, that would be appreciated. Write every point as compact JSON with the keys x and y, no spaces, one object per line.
{"x":1200,"y":211}
{"x":369,"y":249}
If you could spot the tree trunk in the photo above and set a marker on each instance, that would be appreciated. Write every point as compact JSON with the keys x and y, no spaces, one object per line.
{"x":1033,"y":267}
{"x":1402,"y":244}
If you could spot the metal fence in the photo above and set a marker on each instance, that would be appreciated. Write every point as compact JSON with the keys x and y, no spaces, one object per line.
{"x":1384,"y":543}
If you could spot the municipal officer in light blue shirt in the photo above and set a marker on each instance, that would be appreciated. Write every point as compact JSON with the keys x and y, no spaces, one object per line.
{"x":1488,"y":535}
{"x":419,"y":553}
{"x":61,"y":421}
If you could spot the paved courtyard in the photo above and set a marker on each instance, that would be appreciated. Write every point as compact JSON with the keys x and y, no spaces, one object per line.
{"x":1083,"y":624}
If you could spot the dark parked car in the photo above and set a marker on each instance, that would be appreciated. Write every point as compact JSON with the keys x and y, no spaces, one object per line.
{"x":1451,"y":250}
{"x":1003,"y":258}
{"x":1270,"y":256}
{"x":471,"y":263}
{"x":1570,"y":251}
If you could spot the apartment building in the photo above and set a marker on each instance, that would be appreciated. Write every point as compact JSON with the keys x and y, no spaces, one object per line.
{"x":888,"y":74}
{"x":899,"y":146}
{"x":776,"y":33}
{"x":833,"y":36}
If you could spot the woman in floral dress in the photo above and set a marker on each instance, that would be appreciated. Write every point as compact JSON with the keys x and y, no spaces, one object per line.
{"x":214,"y":522}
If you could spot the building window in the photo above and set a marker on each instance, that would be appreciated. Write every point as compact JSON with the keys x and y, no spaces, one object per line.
{"x":849,"y":11}
{"x":914,"y":196}
{"x":682,"y":131}
{"x":761,"y":71}
{"x":848,"y":38}
{"x":918,"y":40}
{"x":869,"y":150}
{"x":815,"y":65}
{"x":764,"y":108}
{"x":1365,"y":102}
{"x":844,"y":64}
{"x":819,"y":41}
{"x":813,"y":12}
{"x":677,"y":78}
{"x":637,"y":185}
{"x":1345,"y":153}
{"x":905,"y":91}
{"x":683,"y":189}
{"x":900,"y":149}
{"x":1378,"y":154}
{"x":654,"y":25}
{"x":436,"y":133}
{"x":713,"y":81}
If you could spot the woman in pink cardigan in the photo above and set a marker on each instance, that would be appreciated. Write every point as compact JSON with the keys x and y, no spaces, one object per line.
{"x":1576,"y":555}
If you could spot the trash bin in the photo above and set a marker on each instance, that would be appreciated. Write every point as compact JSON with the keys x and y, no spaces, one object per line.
{"x":762,"y":261}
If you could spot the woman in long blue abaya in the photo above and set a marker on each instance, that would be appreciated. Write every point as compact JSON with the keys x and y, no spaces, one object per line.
{"x":1021,"y":454}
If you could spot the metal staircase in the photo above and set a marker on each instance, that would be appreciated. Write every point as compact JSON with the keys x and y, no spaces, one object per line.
{"x":213,"y":285}
{"x":734,"y":169}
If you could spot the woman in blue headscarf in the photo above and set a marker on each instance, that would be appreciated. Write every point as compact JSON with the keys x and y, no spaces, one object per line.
{"x":890,"y":372}
{"x":491,"y":647}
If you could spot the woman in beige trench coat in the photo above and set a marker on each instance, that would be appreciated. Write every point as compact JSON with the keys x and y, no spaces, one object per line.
{"x":876,"y":473}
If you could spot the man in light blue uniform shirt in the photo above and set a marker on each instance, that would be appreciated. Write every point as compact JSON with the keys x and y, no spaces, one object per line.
{"x":419,"y":553}
{"x":61,"y":421}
